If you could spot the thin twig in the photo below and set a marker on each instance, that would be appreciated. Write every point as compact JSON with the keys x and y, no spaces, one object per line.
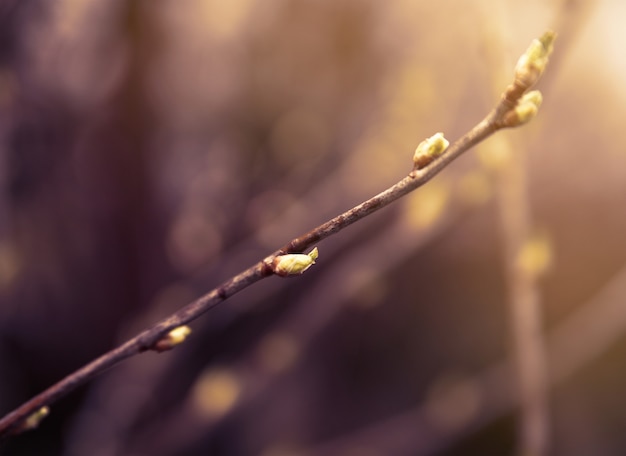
{"x":505,"y":114}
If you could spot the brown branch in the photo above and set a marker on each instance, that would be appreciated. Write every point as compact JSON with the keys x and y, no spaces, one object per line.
{"x":507,"y":113}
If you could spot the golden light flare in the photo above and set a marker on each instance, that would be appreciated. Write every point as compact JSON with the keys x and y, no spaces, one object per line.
{"x":70,"y":15}
{"x":535,"y":256}
{"x":495,"y":154}
{"x":216,"y":392}
{"x":224,"y":19}
{"x":425,"y":208}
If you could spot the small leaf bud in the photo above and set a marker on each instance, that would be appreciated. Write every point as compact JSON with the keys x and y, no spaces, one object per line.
{"x":34,"y":419}
{"x":173,"y":338}
{"x":294,"y":263}
{"x":428,"y":150}
{"x":533,"y":62}
{"x":525,"y":110}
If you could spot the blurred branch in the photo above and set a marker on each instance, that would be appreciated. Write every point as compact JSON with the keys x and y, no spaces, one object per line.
{"x":525,"y":259}
{"x":516,"y":107}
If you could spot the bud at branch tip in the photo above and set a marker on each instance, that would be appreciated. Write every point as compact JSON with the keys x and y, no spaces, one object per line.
{"x":533,"y":62}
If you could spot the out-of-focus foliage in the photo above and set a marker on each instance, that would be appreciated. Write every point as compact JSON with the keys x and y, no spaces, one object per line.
{"x":151,"y":149}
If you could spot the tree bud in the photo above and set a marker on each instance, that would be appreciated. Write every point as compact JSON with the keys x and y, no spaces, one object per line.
{"x":533,"y":62}
{"x":173,"y":338}
{"x":525,"y":110}
{"x":428,"y":150}
{"x":34,"y":419}
{"x":294,"y":263}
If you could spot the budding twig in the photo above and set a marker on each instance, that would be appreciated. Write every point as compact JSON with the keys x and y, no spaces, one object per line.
{"x":434,"y":156}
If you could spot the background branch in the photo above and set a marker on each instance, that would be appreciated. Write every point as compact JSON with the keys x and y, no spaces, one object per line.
{"x":523,"y":255}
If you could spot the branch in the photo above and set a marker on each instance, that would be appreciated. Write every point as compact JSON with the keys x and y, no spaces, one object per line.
{"x":516,"y":107}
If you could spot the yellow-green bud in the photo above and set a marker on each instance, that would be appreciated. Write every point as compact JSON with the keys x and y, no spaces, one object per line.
{"x":525,"y":110}
{"x":294,"y":263}
{"x":428,"y":150}
{"x":533,"y":62}
{"x":173,"y":338}
{"x":34,"y":419}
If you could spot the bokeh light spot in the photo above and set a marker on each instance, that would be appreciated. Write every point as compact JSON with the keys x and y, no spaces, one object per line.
{"x":426,"y":206}
{"x":278,"y":351}
{"x":216,"y":392}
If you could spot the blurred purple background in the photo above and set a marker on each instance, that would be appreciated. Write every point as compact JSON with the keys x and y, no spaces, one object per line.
{"x":151,"y":149}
